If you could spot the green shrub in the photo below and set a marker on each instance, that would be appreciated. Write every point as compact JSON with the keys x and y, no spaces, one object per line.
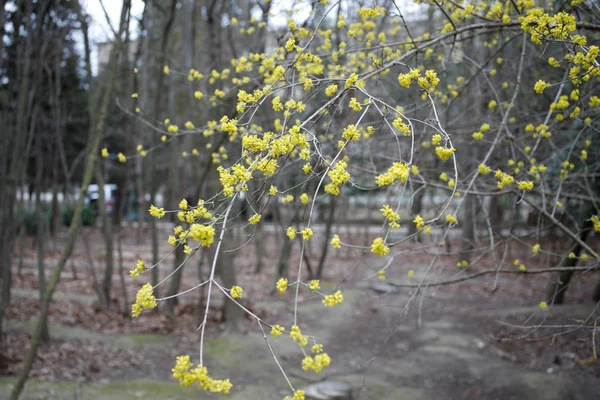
{"x":29,"y":219}
{"x":87,"y":215}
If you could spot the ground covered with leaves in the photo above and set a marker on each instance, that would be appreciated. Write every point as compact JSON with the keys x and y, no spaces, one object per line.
{"x":481,"y":338}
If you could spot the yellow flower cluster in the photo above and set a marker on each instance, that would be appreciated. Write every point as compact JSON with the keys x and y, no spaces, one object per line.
{"x":451,"y":219}
{"x":144,"y":299}
{"x":291,"y":233}
{"x":379,"y":247}
{"x":157,"y":212}
{"x":331,"y":300}
{"x":254,"y":144}
{"x":544,"y":26}
{"x":596,"y":222}
{"x":315,"y":284}
{"x":235,"y":179}
{"x":355,"y":104}
{"x":139,"y":269}
{"x":336,"y":243}
{"x":277,"y":330}
{"x":525,"y":185}
{"x":354,"y":80}
{"x":419,"y":222}
{"x":331,"y":90}
{"x":307,"y":233}
{"x":444,"y":153}
{"x":203,"y":234}
{"x":298,"y":395}
{"x":338,"y":176}
{"x":317,"y":363}
{"x":398,"y":171}
{"x":296,"y":335}
{"x":503,"y":179}
{"x":401,"y":127}
{"x":351,"y":133}
{"x":236,"y":292}
{"x":187,"y":376}
{"x":282,"y":285}
{"x":484,"y":169}
{"x":427,"y":82}
{"x":391,"y":216}
{"x":540,"y":86}
{"x":255,"y":219}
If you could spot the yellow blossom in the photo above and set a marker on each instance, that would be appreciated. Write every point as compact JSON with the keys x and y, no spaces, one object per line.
{"x":144,"y":299}
{"x":236,"y":292}
{"x":156,"y":212}
{"x":255,"y":219}
{"x":314,"y":285}
{"x":379,"y":247}
{"x":419,"y":222}
{"x":336,"y":242}
{"x":291,"y":232}
{"x":540,"y":86}
{"x":444,"y":153}
{"x":282,"y":285}
{"x":277,"y":330}
{"x":307,"y":233}
{"x":304,"y":198}
{"x":331,"y":300}
{"x":451,"y":219}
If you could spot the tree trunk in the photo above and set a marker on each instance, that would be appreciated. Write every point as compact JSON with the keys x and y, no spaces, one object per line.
{"x":175,"y":282}
{"x":234,"y":315}
{"x":415,"y":209}
{"x":92,"y":271}
{"x":108,"y":237}
{"x":40,"y":231}
{"x":95,"y":136}
{"x":596,"y":295}
{"x":328,"y":225}
{"x":468,"y":236}
{"x":560,"y":283}
{"x":258,"y":247}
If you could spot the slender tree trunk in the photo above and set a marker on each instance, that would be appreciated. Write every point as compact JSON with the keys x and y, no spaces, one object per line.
{"x":157,"y":108}
{"x":234,"y":316}
{"x":107,"y":234}
{"x":40,"y":231}
{"x":560,"y":283}
{"x":92,"y":271}
{"x":93,"y":148}
{"x":328,"y":225}
{"x":415,"y":209}
{"x":259,"y":247}
{"x":468,"y":236}
{"x":283,"y":266}
{"x":120,"y":238}
{"x":596,"y":295}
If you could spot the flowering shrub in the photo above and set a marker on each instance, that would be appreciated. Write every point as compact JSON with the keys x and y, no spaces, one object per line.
{"x":361,"y":86}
